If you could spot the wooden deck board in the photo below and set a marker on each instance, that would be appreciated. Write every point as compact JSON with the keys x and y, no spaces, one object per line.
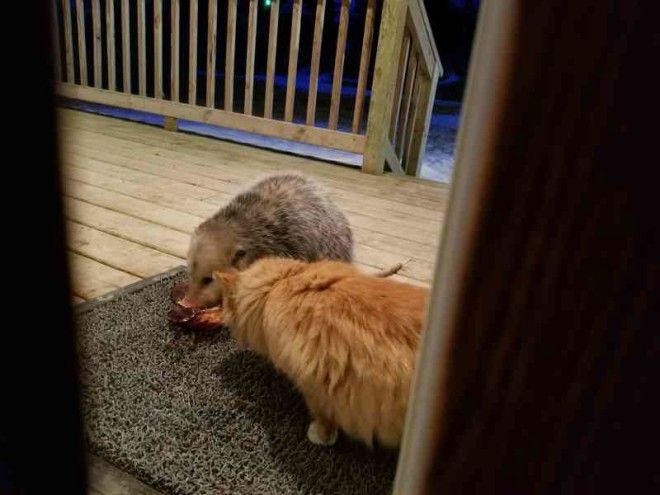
{"x":147,"y":192}
{"x":138,"y":208}
{"x":127,"y":227}
{"x":118,"y":253}
{"x":91,"y":279}
{"x":140,"y":177}
{"x":134,"y":194}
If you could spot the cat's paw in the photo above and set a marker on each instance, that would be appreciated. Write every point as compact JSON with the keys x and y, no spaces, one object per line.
{"x":318,"y":434}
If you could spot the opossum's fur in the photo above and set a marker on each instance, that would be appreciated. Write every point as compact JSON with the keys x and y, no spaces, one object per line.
{"x":287,"y":215}
{"x":284,"y":215}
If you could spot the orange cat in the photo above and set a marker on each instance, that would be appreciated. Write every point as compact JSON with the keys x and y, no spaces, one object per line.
{"x":347,"y":340}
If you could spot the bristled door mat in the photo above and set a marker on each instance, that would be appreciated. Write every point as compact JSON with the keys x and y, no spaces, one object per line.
{"x":199,"y":416}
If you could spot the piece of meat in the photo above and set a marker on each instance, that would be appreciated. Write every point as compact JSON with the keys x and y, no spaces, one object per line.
{"x":207,"y":319}
{"x":196,"y":319}
{"x":178,"y":292}
{"x":179,"y":314}
{"x":189,"y":317}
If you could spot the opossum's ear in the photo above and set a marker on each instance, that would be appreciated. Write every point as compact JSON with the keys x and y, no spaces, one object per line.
{"x":227,"y":280}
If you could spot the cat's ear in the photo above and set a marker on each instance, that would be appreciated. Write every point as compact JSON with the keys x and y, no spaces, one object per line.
{"x":226,"y":279}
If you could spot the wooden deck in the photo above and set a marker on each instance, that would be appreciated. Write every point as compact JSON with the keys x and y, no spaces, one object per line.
{"x":134,"y":193}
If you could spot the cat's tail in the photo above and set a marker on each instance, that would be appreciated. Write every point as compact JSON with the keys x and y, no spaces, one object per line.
{"x":391,"y":271}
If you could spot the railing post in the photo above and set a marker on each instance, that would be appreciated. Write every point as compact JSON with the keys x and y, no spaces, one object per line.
{"x":171,"y":124}
{"x":420,"y":129}
{"x":390,"y":41}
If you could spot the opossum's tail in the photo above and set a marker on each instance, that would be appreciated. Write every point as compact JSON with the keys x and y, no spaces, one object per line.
{"x":391,"y":271}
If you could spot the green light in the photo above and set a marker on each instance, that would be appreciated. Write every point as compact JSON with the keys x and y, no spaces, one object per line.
{"x":267,"y":3}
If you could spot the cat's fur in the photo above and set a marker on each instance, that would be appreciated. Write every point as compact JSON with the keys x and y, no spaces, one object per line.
{"x":348,"y":341}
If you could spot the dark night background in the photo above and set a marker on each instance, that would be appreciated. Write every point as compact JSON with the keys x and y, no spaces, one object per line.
{"x":453,"y":23}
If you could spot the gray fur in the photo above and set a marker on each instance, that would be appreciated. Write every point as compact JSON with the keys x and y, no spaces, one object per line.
{"x":285,"y":215}
{"x":282,"y":215}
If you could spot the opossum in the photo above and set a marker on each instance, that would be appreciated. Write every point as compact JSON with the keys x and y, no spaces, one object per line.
{"x":283,"y":215}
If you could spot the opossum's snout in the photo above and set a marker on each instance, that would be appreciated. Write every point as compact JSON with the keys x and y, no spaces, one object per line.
{"x":213,"y":247}
{"x":202,"y":294}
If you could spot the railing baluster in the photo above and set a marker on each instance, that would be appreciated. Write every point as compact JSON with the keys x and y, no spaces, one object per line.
{"x":400,"y":79}
{"x":272,"y":52}
{"x":422,"y":120}
{"x":142,"y":47}
{"x":158,"y":49}
{"x":249,"y":58}
{"x":412,"y":115}
{"x":174,"y":50}
{"x":210,"y":53}
{"x":82,"y":47}
{"x":68,"y":41}
{"x":365,"y":60}
{"x":126,"y":45}
{"x":192,"y":53}
{"x":316,"y":58}
{"x":229,"y":55}
{"x":96,"y":33}
{"x":340,"y":53}
{"x":405,"y":105}
{"x":294,"y":45}
{"x":57,"y":50}
{"x":110,"y":44}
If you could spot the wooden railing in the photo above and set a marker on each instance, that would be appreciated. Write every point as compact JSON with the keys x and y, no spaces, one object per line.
{"x":401,"y":95}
